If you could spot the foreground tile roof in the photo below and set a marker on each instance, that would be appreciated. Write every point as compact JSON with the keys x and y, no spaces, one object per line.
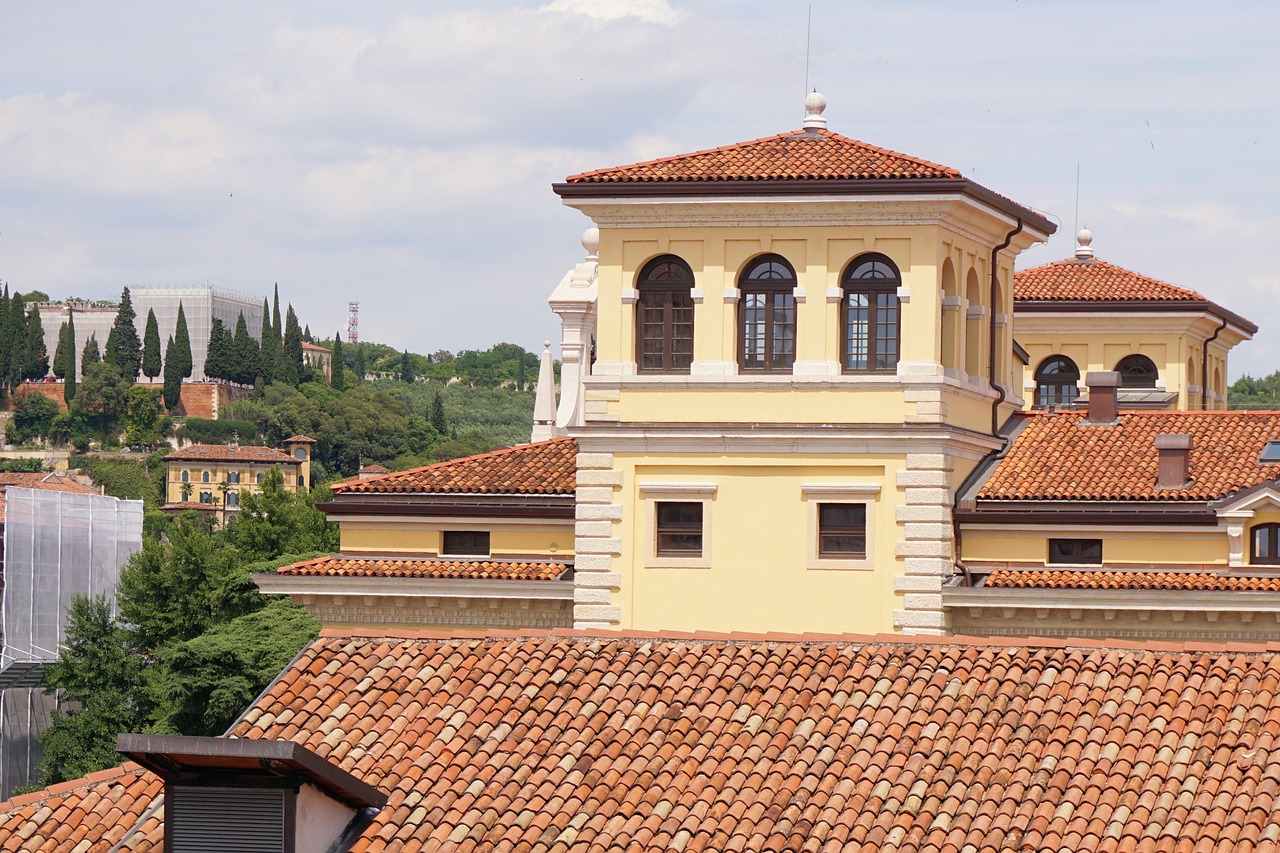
{"x":1076,"y":280}
{"x":1145,"y":580}
{"x":45,"y":481}
{"x":1059,"y":457}
{"x":229,"y":453}
{"x":542,"y":468}
{"x":795,"y":155}
{"x":587,"y":743}
{"x":353,"y":567}
{"x":88,"y":815}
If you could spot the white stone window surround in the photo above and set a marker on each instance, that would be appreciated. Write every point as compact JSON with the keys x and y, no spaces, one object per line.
{"x":654,"y":492}
{"x":816,"y":494}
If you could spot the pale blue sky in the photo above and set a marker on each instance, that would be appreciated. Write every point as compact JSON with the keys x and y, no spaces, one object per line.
{"x":402,"y":154}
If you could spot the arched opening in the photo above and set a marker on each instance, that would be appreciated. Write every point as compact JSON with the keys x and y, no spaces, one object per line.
{"x":767,"y":315}
{"x":950,"y":316}
{"x":1219,"y":389}
{"x":1057,"y":382}
{"x":1137,"y":371}
{"x":664,"y":316}
{"x":973,"y":325}
{"x":869,"y":315}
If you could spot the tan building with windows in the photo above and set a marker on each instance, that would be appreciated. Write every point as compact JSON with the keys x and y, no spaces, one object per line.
{"x":213,"y":477}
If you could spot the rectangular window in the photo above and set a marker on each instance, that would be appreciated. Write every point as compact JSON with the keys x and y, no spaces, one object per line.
{"x":679,"y":529}
{"x":768,"y":330}
{"x":233,"y":499}
{"x":842,"y":531}
{"x":666,"y":331}
{"x":465,"y":543}
{"x":1080,"y":552}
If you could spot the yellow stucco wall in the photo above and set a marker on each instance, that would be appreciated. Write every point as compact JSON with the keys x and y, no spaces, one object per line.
{"x":218,"y":472}
{"x":1170,"y":546}
{"x":552,"y":540}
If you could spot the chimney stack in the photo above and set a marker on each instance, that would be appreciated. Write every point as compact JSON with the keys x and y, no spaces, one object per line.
{"x":1102,"y":396}
{"x":1175,"y":455}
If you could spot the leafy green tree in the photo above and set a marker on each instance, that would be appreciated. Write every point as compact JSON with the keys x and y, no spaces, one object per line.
{"x":360,"y":368}
{"x":217,"y":358}
{"x":33,"y":416}
{"x":172,"y":376}
{"x":290,"y":369}
{"x":337,"y":378}
{"x":182,"y":346}
{"x":124,"y":349}
{"x":102,"y":399}
{"x":143,"y":424}
{"x":100,"y":674}
{"x":91,"y":354}
{"x":245,"y":355}
{"x":280,"y":522}
{"x":151,"y":347}
{"x":69,"y":365}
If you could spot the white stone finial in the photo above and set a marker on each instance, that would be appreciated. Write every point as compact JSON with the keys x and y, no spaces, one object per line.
{"x":591,"y":241}
{"x":814,"y":105}
{"x":1083,"y":250}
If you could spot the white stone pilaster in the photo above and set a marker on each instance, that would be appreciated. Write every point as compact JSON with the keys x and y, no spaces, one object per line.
{"x":596,"y":543}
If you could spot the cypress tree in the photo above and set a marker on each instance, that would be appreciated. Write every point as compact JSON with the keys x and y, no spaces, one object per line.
{"x":291,"y":351}
{"x":6,"y":342}
{"x":277,"y":328}
{"x":35,"y":365}
{"x":60,"y":354}
{"x":306,"y":335}
{"x":266,"y":349}
{"x":91,"y":355}
{"x":244,"y":354}
{"x":172,"y":376}
{"x":438,"y":422}
{"x":217,"y":358}
{"x":69,"y":360}
{"x":337,"y":378}
{"x":151,"y":347}
{"x":182,"y":346}
{"x":16,"y":344}
{"x":406,"y":367}
{"x":124,"y":349}
{"x":360,"y":368}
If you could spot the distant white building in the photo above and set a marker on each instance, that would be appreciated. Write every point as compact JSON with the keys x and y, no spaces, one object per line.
{"x":200,"y":305}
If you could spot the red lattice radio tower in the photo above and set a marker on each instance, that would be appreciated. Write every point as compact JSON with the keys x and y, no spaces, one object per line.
{"x":353,"y":322}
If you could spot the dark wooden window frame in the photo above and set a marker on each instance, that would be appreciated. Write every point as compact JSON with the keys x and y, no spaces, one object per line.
{"x":832,"y":530}
{"x":875,"y":276}
{"x":1271,"y":536}
{"x":464,"y":543}
{"x":1064,"y":392}
{"x":779,"y":294}
{"x":1074,"y":552}
{"x":1137,"y":371}
{"x":666,"y":284}
{"x":669,"y":529}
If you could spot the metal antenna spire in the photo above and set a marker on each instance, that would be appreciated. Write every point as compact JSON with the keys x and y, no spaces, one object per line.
{"x":1076,"y":224}
{"x":808,"y":34}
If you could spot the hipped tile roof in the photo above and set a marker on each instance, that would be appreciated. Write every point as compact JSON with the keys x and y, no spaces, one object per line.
{"x":1061,"y":457}
{"x":45,"y":481}
{"x":1075,"y":280}
{"x":542,"y":468}
{"x":1143,"y":580}
{"x":368,"y":567}
{"x":230,"y":453}
{"x":795,"y":155}
{"x":585,"y":743}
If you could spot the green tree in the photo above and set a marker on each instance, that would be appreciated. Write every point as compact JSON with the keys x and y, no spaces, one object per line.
{"x":69,"y":365}
{"x":337,"y":378}
{"x":182,"y":346}
{"x":124,"y":349}
{"x":217,"y":358}
{"x":172,"y":376}
{"x":438,"y":422}
{"x":35,"y":361}
{"x":143,"y":422}
{"x":406,"y":368}
{"x":102,"y":399}
{"x":99,"y":674}
{"x":151,"y":347}
{"x":290,"y":369}
{"x":33,"y":416}
{"x":267,"y":346}
{"x":278,"y":522}
{"x":91,"y":355}
{"x":360,"y":367}
{"x":245,"y":356}
{"x":60,"y":354}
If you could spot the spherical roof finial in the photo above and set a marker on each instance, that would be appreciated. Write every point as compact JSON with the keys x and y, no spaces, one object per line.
{"x":814,"y":105}
{"x":1084,"y":251}
{"x":591,"y":241}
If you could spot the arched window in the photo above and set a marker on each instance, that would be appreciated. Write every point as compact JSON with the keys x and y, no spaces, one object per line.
{"x":186,"y":476}
{"x":1264,"y":547}
{"x":767,"y":315}
{"x":1057,"y":380}
{"x":233,"y":499}
{"x":233,"y":476}
{"x":301,"y":482}
{"x":1137,"y":371}
{"x":869,"y":327}
{"x":204,"y":476}
{"x":664,"y":317}
{"x":257,"y":478}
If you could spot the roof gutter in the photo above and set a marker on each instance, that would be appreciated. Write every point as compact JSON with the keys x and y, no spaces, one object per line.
{"x":1204,"y":365}
{"x":991,"y":353}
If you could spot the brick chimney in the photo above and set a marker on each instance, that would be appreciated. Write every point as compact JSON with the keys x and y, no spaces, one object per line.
{"x":1175,"y":466}
{"x":1102,"y":396}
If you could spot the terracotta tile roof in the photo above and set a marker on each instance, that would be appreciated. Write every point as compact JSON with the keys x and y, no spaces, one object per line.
{"x":337,"y":566}
{"x":1075,"y":280}
{"x":310,"y":347}
{"x":602,"y":742}
{"x":229,"y":453}
{"x":45,"y":481}
{"x":90,"y":814}
{"x":299,"y":439}
{"x":1058,"y":457}
{"x":795,"y":155}
{"x":179,"y":506}
{"x":542,"y":468}
{"x":1147,"y":580}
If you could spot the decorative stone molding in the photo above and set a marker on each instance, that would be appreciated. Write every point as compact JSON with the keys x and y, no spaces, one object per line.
{"x":927,"y":545}
{"x":732,"y":294}
{"x":595,"y":544}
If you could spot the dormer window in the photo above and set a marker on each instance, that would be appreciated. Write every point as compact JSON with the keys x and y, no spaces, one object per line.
{"x":1264,"y":545}
{"x":767,"y":315}
{"x":1057,"y":382}
{"x":1137,"y":371}
{"x":664,"y":316}
{"x":869,"y":316}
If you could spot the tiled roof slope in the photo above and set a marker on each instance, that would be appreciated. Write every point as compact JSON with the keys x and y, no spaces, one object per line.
{"x":1059,"y":457}
{"x":89,"y":815}
{"x":1075,"y":280}
{"x":463,"y":569}
{"x":49,"y":482}
{"x":229,"y":453}
{"x":1145,"y":580}
{"x":590,"y":743}
{"x":542,"y":468}
{"x":795,"y":155}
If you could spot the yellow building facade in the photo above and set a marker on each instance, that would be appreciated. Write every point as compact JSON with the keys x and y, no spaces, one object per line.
{"x":214,"y":477}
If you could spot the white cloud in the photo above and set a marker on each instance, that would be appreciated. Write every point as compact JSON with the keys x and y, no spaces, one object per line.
{"x":649,"y":11}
